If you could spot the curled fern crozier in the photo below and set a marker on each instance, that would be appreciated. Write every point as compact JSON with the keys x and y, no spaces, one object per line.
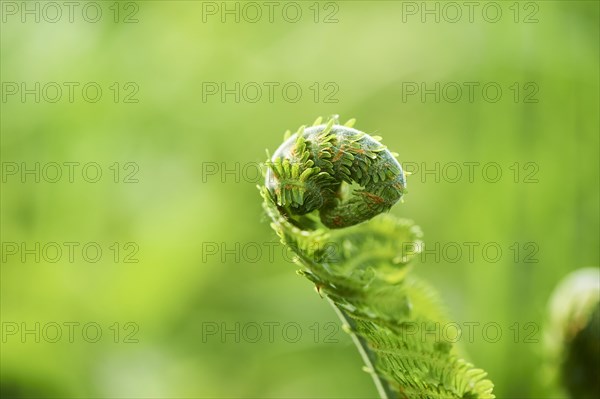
{"x":308,"y":170}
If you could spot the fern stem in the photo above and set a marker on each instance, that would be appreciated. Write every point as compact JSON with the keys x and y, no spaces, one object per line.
{"x":369,"y":358}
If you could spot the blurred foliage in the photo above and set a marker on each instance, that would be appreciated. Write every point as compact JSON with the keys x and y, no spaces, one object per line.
{"x":175,"y":209}
{"x":572,"y":335}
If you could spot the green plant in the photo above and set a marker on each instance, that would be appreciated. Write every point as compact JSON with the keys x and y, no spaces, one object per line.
{"x":320,"y":185}
{"x":571,"y":336}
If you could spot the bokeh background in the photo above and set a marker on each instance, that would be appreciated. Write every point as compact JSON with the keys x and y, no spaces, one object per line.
{"x":182,"y":321}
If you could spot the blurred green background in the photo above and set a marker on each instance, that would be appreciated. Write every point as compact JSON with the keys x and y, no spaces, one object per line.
{"x":206,"y":259}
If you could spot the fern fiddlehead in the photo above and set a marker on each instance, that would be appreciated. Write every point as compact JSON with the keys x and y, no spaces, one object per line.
{"x":320,"y":185}
{"x":308,"y":169}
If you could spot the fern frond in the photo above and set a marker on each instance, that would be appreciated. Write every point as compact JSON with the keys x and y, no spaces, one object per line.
{"x":361,"y":263}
